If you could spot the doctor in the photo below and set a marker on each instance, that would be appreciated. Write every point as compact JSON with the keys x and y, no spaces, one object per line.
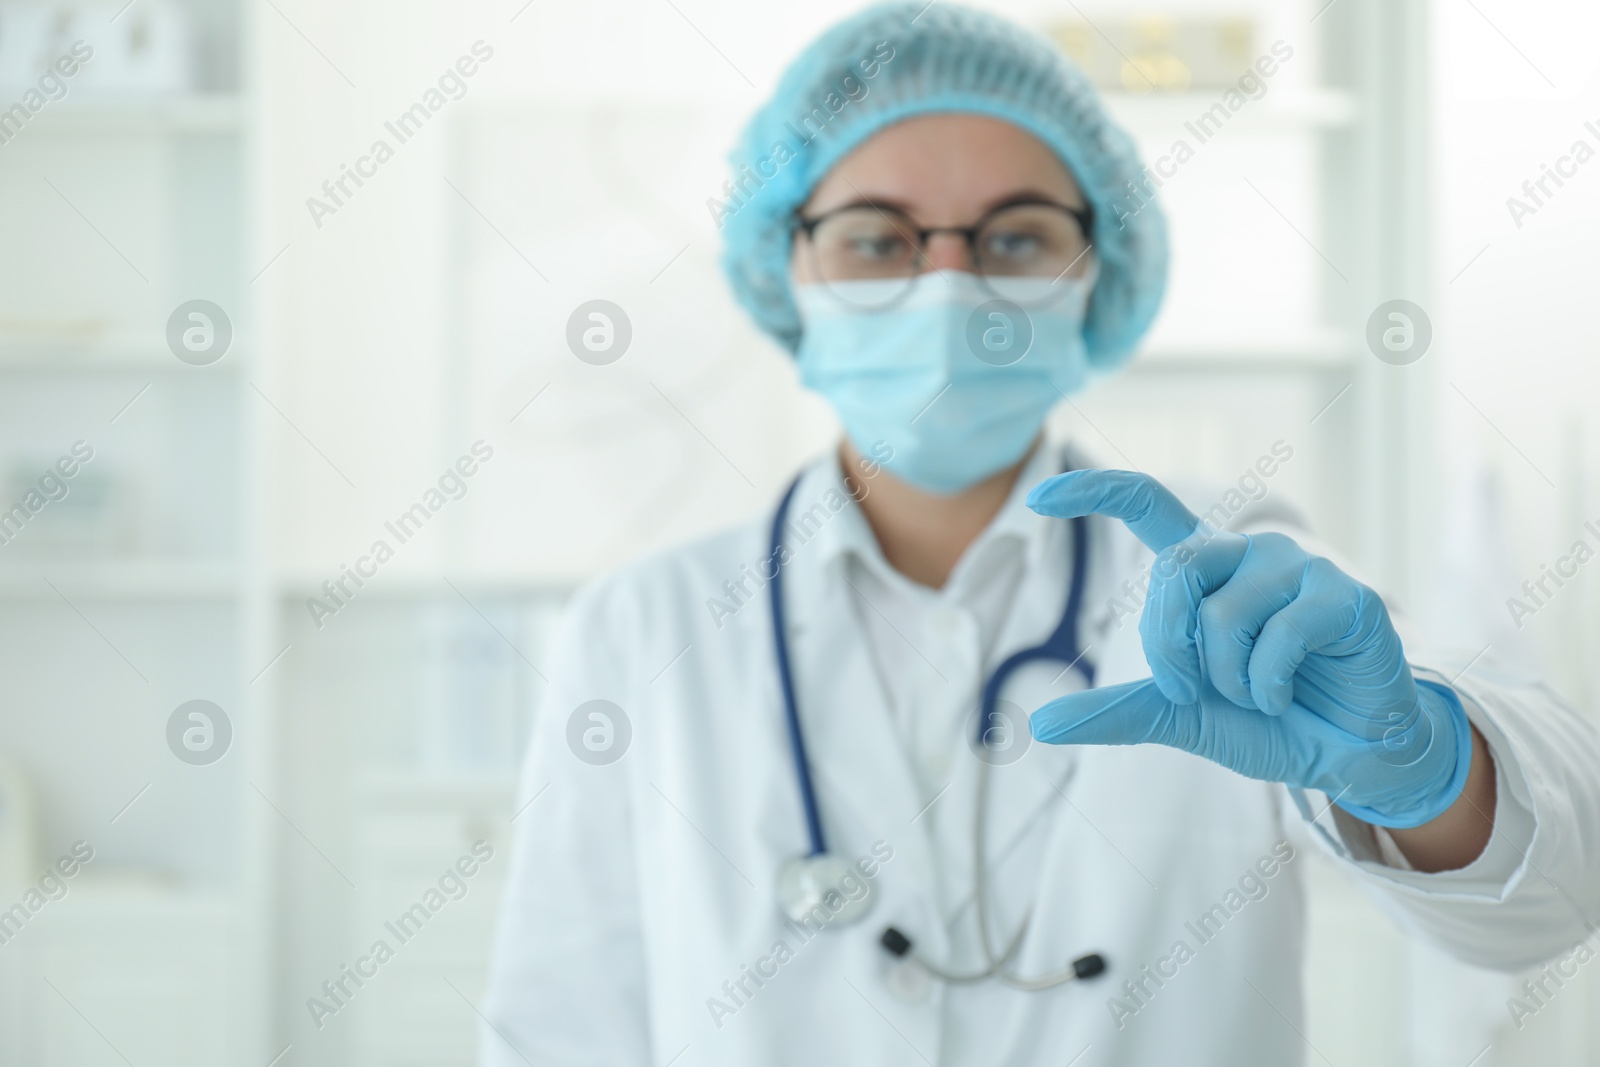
{"x":787,"y":803}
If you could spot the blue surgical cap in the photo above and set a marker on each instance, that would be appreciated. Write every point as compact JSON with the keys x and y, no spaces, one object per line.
{"x":897,"y":60}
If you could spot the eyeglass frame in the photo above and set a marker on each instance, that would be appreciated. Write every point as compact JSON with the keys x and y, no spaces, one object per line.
{"x":1083,"y":216}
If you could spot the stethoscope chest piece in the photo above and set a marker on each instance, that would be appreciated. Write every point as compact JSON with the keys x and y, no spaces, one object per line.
{"x":823,"y":889}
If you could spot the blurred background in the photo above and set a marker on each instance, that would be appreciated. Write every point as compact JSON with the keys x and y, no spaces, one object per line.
{"x":251,"y":361}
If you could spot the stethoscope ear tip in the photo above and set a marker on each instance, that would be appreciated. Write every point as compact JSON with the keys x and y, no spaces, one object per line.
{"x":1088,"y":966}
{"x":894,"y":942}
{"x":899,"y":946}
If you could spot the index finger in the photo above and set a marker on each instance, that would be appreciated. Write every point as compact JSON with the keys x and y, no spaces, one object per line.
{"x":1147,"y":507}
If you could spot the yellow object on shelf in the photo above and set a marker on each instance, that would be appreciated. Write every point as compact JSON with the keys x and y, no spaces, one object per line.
{"x":1159,"y":53}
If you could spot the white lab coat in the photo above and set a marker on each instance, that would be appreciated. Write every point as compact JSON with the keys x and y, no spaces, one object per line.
{"x":639,"y":925}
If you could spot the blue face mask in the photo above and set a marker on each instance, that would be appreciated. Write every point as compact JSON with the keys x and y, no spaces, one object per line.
{"x":954,"y":381}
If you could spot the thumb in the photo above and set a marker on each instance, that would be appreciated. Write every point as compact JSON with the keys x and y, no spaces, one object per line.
{"x":1134,"y":713}
{"x":1271,"y":748}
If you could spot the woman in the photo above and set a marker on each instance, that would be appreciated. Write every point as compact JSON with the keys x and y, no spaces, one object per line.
{"x":781,"y":810}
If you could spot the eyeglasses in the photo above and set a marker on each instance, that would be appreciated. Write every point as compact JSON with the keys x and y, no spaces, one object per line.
{"x":1022,"y":251}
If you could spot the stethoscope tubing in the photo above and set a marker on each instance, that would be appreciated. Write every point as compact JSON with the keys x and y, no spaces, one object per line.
{"x":791,"y":707}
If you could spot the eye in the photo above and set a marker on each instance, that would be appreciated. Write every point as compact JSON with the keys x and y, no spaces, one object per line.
{"x":878,"y":247}
{"x":1013,"y":245}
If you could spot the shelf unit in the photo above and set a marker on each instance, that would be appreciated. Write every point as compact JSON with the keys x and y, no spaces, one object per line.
{"x":194,"y":113}
{"x":125,"y":358}
{"x":154,"y":592}
{"x":135,"y":581}
{"x":1289,"y":111}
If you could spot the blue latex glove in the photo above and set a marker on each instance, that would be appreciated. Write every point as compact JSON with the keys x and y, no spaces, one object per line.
{"x":1267,"y":660}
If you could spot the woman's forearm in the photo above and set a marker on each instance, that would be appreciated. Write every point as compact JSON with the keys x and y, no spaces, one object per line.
{"x":1456,"y":838}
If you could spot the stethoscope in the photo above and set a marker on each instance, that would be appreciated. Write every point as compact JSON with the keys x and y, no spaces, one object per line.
{"x":817,"y":879}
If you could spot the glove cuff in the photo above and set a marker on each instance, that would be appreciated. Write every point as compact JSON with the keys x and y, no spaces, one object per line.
{"x":1439,"y":703}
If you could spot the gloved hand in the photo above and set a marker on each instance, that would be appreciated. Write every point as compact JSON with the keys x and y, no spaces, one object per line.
{"x":1267,"y":660}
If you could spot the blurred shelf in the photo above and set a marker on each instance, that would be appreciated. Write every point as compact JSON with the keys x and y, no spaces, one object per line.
{"x":23,"y":352}
{"x":1275,"y":112}
{"x":1329,"y":351}
{"x":1278,"y":110}
{"x":199,"y":113}
{"x":145,"y":363}
{"x":115,"y":889}
{"x":30,"y":581}
{"x":297,"y":584}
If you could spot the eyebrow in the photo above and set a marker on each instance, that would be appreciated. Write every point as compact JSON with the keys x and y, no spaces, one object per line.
{"x":885,"y":202}
{"x":1021,"y":196}
{"x":1033,"y":196}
